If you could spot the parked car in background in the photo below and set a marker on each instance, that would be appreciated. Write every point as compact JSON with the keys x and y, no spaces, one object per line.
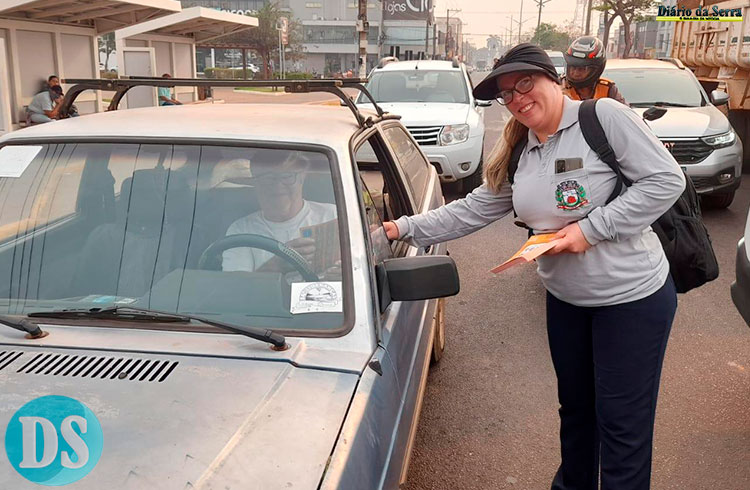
{"x":697,"y":133}
{"x":435,"y":102}
{"x":558,"y":60}
{"x":189,"y":343}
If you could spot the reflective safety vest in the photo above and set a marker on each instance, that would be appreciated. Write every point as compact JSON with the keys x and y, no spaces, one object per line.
{"x":601,"y":90}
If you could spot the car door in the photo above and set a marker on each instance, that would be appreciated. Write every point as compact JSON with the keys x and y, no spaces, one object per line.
{"x":407,"y":326}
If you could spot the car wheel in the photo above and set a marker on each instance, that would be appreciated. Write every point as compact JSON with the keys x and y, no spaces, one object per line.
{"x":718,"y":201}
{"x":474,"y":180}
{"x":438,"y":340}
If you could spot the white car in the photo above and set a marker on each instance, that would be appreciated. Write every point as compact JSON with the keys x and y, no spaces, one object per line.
{"x":436,"y":105}
{"x":698,"y":135}
{"x":558,"y":60}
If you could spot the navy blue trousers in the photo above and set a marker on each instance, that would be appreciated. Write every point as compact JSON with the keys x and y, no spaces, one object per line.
{"x":608,"y":362}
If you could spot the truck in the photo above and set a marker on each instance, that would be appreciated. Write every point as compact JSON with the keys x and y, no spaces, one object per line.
{"x":718,"y":53}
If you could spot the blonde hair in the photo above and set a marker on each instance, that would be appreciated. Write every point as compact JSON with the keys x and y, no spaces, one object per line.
{"x":496,"y":169}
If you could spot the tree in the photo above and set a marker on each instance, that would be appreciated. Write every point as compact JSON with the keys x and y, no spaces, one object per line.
{"x":106,"y":46}
{"x":264,"y":39}
{"x":547,"y":36}
{"x":628,"y":11}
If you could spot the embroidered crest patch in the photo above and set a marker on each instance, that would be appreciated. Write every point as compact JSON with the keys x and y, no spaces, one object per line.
{"x":570,"y":195}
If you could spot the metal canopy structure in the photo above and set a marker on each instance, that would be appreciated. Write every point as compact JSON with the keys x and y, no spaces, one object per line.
{"x":102,"y":15}
{"x":121,"y":86}
{"x":197,"y":23}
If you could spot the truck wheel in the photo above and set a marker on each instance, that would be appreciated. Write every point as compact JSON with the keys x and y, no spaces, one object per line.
{"x":438,"y":340}
{"x":718,"y":201}
{"x":471,"y":182}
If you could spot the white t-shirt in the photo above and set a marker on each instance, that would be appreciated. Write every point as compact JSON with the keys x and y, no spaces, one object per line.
{"x":249,"y":259}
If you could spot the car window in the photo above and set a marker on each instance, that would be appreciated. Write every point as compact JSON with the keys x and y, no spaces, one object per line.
{"x":418,"y":86}
{"x":411,"y":160}
{"x":643,"y":87}
{"x":384,"y":186}
{"x":176,"y":228}
{"x":381,"y":248}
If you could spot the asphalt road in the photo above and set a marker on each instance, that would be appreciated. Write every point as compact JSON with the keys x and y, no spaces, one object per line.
{"x":489,"y":419}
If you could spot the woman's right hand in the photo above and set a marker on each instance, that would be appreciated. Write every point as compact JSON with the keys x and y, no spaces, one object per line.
{"x":391,"y":230}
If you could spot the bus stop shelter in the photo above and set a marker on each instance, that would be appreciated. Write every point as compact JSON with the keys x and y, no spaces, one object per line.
{"x":167,"y":45}
{"x":39,"y":38}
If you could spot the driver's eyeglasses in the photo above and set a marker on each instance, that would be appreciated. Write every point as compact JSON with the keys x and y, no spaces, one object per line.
{"x":522,"y":86}
{"x":285,"y":178}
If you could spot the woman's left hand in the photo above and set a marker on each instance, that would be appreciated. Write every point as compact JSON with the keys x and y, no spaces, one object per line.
{"x":571,"y":241}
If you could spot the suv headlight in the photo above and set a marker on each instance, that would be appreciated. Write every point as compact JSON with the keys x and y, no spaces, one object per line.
{"x":720,"y":140}
{"x":457,"y":133}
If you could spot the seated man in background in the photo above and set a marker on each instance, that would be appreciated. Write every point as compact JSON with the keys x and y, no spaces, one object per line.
{"x":165,"y":94}
{"x":278,"y":178}
{"x":45,"y":106}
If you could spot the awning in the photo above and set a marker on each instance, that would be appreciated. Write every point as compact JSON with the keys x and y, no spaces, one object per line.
{"x":198,"y":23}
{"x":102,"y":15}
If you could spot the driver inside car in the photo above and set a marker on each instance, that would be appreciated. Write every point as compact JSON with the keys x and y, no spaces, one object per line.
{"x":284,"y":213}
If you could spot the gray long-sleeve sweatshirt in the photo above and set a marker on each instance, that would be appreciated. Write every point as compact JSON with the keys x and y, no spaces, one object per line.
{"x":626,"y":261}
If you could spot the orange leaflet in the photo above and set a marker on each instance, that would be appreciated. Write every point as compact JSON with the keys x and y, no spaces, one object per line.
{"x":534,"y":247}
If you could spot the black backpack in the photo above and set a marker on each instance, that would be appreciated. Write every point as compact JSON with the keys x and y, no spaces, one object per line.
{"x":683,"y":235}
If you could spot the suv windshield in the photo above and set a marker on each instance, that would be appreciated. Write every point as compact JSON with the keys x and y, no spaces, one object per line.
{"x":643,"y":87}
{"x":175,"y":228}
{"x":418,"y":86}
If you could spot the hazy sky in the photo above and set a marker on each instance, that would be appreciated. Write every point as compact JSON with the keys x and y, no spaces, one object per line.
{"x":485,"y":17}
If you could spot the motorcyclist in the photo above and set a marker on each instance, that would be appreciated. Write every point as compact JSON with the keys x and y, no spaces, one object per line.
{"x":585,"y":60}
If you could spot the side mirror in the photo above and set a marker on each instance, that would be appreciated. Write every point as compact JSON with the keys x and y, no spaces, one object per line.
{"x":483,"y":103}
{"x":653,"y":113}
{"x":718,"y":97}
{"x":416,"y":278}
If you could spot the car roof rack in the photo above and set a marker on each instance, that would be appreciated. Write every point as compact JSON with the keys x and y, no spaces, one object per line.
{"x":122,"y":85}
{"x":386,"y":60}
{"x":675,"y":61}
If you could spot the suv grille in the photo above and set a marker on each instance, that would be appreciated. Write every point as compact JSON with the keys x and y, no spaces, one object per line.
{"x":687,"y":152}
{"x":425,"y":135}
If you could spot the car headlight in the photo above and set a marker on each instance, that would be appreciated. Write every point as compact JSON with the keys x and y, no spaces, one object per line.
{"x":721,"y":140}
{"x":457,"y":133}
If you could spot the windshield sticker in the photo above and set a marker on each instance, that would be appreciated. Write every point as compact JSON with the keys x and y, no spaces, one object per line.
{"x":15,"y":159}
{"x":117,"y":300}
{"x":316,"y":297}
{"x":53,"y":440}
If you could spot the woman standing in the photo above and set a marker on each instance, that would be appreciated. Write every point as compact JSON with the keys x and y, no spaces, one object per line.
{"x":610,"y":299}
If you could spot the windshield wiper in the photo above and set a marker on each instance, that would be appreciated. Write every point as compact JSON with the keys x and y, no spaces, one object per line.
{"x":129,"y":313}
{"x":660,"y":103}
{"x":32,"y":329}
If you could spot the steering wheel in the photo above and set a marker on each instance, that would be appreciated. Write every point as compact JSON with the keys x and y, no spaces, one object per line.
{"x":210,"y":256}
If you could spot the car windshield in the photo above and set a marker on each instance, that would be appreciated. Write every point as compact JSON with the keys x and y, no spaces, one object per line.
{"x":644,"y":87}
{"x":418,"y":86}
{"x":176,"y":228}
{"x":558,"y":61}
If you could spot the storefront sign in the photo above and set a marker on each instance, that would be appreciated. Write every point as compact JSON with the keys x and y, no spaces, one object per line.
{"x":407,"y":9}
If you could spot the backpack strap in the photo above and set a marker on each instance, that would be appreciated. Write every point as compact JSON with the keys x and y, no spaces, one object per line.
{"x":593,"y":133}
{"x":515,"y":156}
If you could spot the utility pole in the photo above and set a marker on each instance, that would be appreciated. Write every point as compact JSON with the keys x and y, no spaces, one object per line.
{"x":362,"y":27}
{"x":381,"y":31}
{"x":448,"y":27}
{"x":540,"y":4}
{"x":520,"y":16}
{"x":426,"y":28}
{"x":588,"y":19}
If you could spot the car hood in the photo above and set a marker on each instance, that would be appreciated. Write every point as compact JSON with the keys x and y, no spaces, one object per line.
{"x":210,"y":423}
{"x":688,"y":122}
{"x":427,"y":114}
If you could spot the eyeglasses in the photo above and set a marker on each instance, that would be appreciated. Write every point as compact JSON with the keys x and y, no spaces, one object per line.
{"x":284,"y":178}
{"x":522,"y":86}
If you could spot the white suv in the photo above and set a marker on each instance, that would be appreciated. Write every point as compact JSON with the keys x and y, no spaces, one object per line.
{"x":436,"y":105}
